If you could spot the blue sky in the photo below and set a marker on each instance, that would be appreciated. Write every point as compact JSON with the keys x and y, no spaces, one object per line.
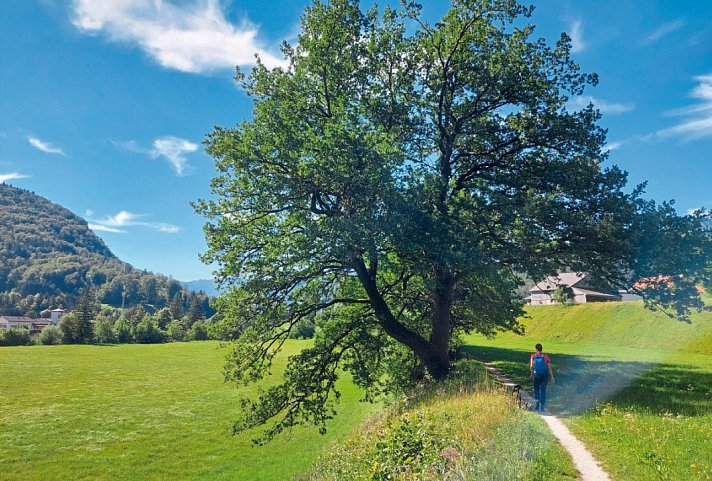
{"x":104,"y":105}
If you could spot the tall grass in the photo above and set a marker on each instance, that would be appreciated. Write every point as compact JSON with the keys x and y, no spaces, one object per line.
{"x":462,"y":430}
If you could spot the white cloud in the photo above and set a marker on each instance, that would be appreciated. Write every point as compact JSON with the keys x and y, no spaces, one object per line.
{"x":104,"y":228}
{"x":603,"y":106}
{"x":576,"y":33}
{"x":697,"y":121}
{"x":664,"y":30}
{"x":44,"y":146}
{"x":194,"y":37}
{"x":122,"y":218}
{"x":174,"y":150}
{"x":611,"y":146}
{"x":11,"y":176}
{"x":131,"y":146}
{"x":128,"y":219}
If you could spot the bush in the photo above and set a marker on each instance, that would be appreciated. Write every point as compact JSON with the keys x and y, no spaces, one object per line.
{"x":147,"y":332}
{"x":176,"y":331}
{"x":304,"y":329}
{"x":198,"y":332}
{"x":104,"y":330}
{"x":50,"y":335}
{"x":408,"y":445}
{"x":75,"y":329}
{"x":224,"y":329}
{"x":122,"y":331}
{"x":15,"y":336}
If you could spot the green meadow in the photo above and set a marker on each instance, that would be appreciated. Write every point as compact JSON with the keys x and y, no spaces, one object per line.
{"x":142,"y":412}
{"x":634,"y":386}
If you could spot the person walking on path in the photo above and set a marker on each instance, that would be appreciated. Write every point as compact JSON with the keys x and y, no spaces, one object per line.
{"x":541,"y":374}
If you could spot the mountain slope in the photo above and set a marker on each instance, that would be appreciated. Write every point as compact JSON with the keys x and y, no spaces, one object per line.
{"x":48,"y":255}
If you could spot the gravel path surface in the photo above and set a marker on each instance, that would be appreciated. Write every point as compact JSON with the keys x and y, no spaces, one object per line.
{"x":582,"y":457}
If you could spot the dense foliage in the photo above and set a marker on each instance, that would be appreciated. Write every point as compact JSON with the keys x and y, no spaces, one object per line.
{"x":84,"y":325}
{"x":395,"y":183}
{"x":48,"y":255}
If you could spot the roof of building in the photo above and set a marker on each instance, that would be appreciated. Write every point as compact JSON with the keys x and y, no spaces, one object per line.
{"x":593,"y":292}
{"x":18,"y":319}
{"x":569,"y":279}
{"x":26,"y":320}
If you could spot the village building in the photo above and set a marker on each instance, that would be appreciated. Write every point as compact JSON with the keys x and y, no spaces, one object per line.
{"x":543,"y":293}
{"x":55,"y":315}
{"x":35,"y":326}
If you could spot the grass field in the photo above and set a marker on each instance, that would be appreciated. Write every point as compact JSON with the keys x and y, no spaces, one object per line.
{"x":141,"y":412}
{"x":636,"y":387}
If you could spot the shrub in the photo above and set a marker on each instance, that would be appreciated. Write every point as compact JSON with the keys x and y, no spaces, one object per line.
{"x":198,"y":331}
{"x":408,"y":446}
{"x":224,"y":329}
{"x":163,"y":318}
{"x":176,"y":331}
{"x":122,"y":331}
{"x":147,"y":332}
{"x":15,"y":336}
{"x":75,"y":329}
{"x":104,"y":330}
{"x":50,"y":335}
{"x":304,"y":329}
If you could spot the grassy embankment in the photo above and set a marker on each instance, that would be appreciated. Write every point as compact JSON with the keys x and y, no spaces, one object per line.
{"x":635,"y":386}
{"x":141,"y":412}
{"x":464,"y":429}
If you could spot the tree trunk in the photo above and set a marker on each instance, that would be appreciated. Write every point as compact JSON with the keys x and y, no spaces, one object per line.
{"x":437,"y":361}
{"x":433,"y":353}
{"x":438,"y":356}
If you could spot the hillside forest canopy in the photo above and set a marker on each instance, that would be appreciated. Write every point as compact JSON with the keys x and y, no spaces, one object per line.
{"x":397,"y":182}
{"x":48,"y":255}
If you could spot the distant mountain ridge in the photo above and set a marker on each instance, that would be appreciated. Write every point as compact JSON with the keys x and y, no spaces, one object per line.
{"x":48,"y":255}
{"x":202,"y":285}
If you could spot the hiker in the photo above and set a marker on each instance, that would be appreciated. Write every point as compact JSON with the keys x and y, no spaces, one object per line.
{"x":541,"y":373}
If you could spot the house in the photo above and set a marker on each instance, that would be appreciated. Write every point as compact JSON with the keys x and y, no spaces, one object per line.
{"x":55,"y":315}
{"x":543,"y":292}
{"x":33,"y":325}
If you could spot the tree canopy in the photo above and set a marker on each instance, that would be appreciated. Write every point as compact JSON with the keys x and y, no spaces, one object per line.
{"x":398,"y":180}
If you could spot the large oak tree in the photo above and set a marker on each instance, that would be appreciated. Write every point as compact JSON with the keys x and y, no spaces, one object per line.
{"x":397,"y":181}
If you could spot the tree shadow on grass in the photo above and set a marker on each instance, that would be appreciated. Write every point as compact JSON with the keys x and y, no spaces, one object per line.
{"x":584,"y":382}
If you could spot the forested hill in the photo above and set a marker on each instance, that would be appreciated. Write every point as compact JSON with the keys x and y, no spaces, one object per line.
{"x":48,"y":255}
